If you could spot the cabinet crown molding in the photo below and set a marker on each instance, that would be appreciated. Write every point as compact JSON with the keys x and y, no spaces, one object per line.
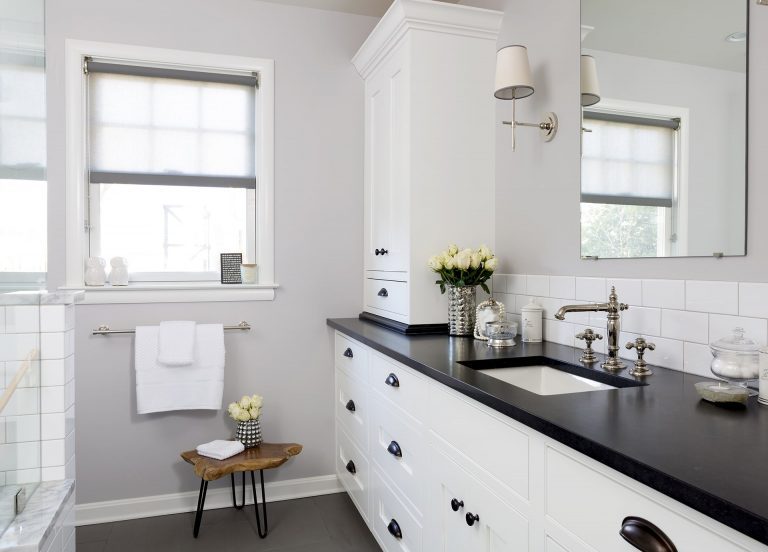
{"x":425,"y":15}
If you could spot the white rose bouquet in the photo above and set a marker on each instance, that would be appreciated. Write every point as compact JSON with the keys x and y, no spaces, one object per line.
{"x":247,"y":408}
{"x":465,"y":267}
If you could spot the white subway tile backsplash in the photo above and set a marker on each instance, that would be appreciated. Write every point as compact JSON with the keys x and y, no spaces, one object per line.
{"x":22,"y":319}
{"x":23,"y":401}
{"x":52,"y":426}
{"x":52,"y":453}
{"x":562,"y":287}
{"x":629,"y":291}
{"x":685,"y":326}
{"x":19,"y":456}
{"x":52,"y":399}
{"x":753,"y":300}
{"x":668,"y":353}
{"x":669,"y":294}
{"x":550,"y":306}
{"x":642,"y":320}
{"x":697,"y":360}
{"x":719,"y":297}
{"x":31,"y":370}
{"x":57,"y":345}
{"x":591,"y":289}
{"x":57,"y":318}
{"x":537,"y":285}
{"x":52,"y":372}
{"x":19,"y":346}
{"x":559,"y":332}
{"x":22,"y":428}
{"x":721,"y":325}
{"x":516,"y":283}
{"x":520,"y":302}
{"x":56,"y":473}
{"x":499,"y":283}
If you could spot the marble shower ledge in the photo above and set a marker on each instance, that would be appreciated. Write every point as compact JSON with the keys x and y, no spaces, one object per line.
{"x":42,"y":297}
{"x":29,"y":529}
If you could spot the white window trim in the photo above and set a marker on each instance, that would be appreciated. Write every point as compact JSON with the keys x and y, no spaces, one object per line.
{"x":77,"y":171}
{"x":678,"y":222}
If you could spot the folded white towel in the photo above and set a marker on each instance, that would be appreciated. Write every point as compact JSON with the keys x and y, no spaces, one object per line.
{"x":200,"y":386}
{"x":220,"y":449}
{"x":176,"y":343}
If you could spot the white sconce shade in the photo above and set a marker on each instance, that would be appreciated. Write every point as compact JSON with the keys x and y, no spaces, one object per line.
{"x":513,"y":73}
{"x":590,"y":86}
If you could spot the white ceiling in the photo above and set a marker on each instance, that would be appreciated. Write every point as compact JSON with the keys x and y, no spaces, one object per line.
{"x":685,"y":31}
{"x":376,"y":8}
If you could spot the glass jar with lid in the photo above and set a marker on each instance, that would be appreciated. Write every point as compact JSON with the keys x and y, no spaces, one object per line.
{"x":735,"y":358}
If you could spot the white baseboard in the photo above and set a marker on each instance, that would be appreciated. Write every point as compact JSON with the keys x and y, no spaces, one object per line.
{"x":176,"y":503}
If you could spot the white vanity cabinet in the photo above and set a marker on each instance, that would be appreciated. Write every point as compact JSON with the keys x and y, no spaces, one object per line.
{"x":426,"y":457}
{"x":429,"y":149}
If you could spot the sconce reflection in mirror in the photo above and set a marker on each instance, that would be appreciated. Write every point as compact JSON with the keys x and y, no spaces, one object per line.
{"x":590,"y":85}
{"x":514,"y":82}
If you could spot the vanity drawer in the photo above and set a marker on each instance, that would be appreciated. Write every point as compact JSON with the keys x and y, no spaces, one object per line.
{"x":395,"y":527}
{"x":591,"y":505}
{"x":352,"y":407}
{"x":387,"y":295}
{"x":351,"y":356}
{"x":399,"y":384}
{"x":352,"y":468}
{"x":398,"y":448}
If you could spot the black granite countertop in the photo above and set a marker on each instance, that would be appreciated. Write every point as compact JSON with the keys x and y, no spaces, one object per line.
{"x":711,"y":458}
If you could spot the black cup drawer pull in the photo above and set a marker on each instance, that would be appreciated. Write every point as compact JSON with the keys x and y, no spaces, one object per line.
{"x":645,"y":536}
{"x":381,"y":251}
{"x":394,"y":449}
{"x":394,"y":529}
{"x":471,"y":518}
{"x":456,"y":504}
{"x":350,"y":405}
{"x":383,"y":292}
{"x":392,"y":380}
{"x":348,"y":353}
{"x":351,"y":467}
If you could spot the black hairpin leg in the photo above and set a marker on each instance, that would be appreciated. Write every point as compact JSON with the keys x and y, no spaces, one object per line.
{"x":234,"y":501}
{"x":200,"y":505}
{"x":256,"y":503}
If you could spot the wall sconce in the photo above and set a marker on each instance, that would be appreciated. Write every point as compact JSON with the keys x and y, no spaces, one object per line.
{"x":590,"y":86}
{"x":514,"y":82}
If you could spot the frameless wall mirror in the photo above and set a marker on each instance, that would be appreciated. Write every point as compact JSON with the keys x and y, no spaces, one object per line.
{"x":664,"y":103}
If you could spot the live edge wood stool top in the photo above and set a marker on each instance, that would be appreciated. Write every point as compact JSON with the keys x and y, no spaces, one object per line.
{"x":263,"y":457}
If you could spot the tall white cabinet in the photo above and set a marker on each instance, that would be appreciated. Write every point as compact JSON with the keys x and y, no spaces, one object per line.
{"x":429,"y":150}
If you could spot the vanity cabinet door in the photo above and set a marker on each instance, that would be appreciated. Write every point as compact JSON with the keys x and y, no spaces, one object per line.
{"x":386,"y":165}
{"x":465,"y":516}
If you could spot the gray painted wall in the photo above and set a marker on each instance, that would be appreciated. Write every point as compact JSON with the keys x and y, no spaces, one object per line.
{"x":318,"y":199}
{"x":537,"y":187}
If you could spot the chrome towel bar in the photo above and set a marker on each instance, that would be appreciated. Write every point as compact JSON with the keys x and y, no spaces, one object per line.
{"x":106,"y":330}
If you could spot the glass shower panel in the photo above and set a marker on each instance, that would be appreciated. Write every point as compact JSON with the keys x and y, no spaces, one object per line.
{"x":20,"y":448}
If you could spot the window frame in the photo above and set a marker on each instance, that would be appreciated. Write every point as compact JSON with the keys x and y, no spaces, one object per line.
{"x":77,"y":182}
{"x":676,"y":221}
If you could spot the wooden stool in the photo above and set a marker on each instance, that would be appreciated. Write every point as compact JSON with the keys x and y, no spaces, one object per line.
{"x":263,"y":457}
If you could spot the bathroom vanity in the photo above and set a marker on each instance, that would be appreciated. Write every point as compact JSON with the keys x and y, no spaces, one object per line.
{"x":439,"y":455}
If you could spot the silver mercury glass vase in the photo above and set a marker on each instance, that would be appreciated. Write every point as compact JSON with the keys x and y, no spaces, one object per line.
{"x":249,"y":433}
{"x":461,"y":310}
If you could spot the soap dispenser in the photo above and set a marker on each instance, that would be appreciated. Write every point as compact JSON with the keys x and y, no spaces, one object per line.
{"x":531,"y":322}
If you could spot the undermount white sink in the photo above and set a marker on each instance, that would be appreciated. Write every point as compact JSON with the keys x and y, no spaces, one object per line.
{"x":544,"y":380}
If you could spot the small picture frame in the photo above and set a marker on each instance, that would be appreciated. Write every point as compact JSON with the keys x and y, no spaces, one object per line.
{"x":230,"y":268}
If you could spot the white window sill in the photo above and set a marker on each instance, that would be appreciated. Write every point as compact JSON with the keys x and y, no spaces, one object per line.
{"x":175,"y":292}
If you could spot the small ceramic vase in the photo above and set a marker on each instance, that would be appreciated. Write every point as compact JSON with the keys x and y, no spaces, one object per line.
{"x":118,"y":276}
{"x":94,"y":272}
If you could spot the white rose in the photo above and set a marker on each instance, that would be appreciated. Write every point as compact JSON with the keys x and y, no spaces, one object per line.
{"x":243,"y":415}
{"x":450,"y":263}
{"x":453,"y":249}
{"x":245,"y":402}
{"x":232,"y":407}
{"x":475,"y":260}
{"x":257,"y":401}
{"x":463,"y":261}
{"x":435,"y":263}
{"x":254,"y":413}
{"x":485,"y":253}
{"x":491,"y":264}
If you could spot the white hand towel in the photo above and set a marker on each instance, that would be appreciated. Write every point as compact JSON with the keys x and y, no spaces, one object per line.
{"x":176,"y":343}
{"x":198,"y":387}
{"x":220,"y":449}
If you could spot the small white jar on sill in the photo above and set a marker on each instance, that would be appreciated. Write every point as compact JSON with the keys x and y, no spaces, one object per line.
{"x":531,"y":315}
{"x":248,"y":273}
{"x":118,"y":276}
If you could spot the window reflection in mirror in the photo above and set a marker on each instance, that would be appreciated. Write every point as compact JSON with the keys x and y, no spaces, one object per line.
{"x":664,"y":96}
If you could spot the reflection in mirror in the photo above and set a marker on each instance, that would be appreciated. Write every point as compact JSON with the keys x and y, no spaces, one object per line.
{"x":23,"y":184}
{"x":664,"y":101}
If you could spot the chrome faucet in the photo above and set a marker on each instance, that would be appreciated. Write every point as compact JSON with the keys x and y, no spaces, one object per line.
{"x":613,"y":308}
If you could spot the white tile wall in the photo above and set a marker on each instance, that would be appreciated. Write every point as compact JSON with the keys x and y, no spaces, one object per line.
{"x":681,"y":317}
{"x":537,"y":285}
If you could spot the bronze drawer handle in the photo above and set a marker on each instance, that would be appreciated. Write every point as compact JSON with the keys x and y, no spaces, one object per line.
{"x":645,"y":536}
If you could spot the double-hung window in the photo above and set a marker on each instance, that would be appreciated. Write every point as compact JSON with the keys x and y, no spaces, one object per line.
{"x":172,"y":165}
{"x":629,"y":184}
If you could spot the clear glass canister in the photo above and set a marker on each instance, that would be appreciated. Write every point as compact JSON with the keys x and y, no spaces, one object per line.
{"x":736,"y":358}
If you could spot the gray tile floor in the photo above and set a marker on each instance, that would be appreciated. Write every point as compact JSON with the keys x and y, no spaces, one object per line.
{"x":327,"y":523}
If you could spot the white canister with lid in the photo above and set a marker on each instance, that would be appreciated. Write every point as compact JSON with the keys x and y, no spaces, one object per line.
{"x":762,"y":396}
{"x":531,"y":322}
